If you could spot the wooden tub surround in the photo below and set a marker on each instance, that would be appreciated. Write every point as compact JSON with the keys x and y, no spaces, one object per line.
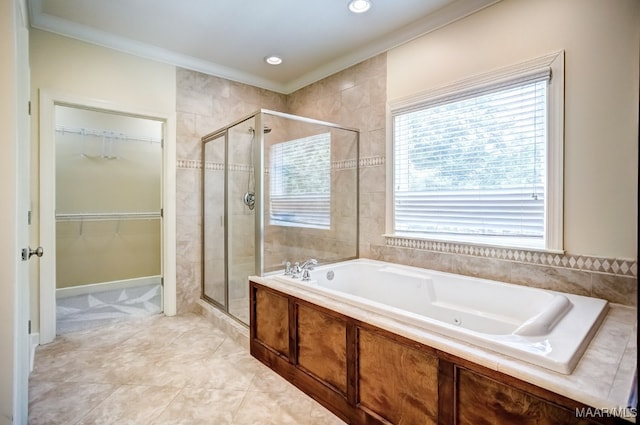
{"x":367,"y":375}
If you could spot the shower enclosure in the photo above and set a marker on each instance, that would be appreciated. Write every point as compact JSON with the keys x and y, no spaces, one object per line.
{"x":276,"y":187}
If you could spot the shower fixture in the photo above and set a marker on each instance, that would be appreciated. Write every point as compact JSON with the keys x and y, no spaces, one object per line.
{"x":249,"y":197}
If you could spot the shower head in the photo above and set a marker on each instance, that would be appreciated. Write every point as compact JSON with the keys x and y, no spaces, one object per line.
{"x":265,"y":130}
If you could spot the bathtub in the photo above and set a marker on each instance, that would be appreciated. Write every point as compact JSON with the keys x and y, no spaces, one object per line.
{"x":546,"y":328}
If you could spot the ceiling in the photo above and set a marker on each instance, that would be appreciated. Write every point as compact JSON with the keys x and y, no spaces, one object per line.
{"x":231,"y":38}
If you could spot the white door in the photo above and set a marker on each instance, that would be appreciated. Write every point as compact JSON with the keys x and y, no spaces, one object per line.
{"x":23,"y":327}
{"x":14,"y":191}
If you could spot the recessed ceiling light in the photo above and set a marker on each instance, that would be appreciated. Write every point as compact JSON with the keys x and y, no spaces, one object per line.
{"x":273,"y":60}
{"x":359,"y":6}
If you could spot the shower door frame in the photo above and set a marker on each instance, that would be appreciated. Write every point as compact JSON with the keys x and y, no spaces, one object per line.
{"x":258,"y":164}
{"x":224,"y":132}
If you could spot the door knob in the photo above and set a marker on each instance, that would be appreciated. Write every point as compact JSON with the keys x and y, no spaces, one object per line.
{"x":28,"y":252}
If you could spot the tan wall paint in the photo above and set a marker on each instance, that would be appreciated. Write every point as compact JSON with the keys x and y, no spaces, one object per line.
{"x":129,"y":180}
{"x":601,"y":40}
{"x":82,"y":70}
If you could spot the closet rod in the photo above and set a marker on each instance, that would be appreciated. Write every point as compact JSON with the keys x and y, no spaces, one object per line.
{"x":110,"y":216}
{"x":105,"y":133}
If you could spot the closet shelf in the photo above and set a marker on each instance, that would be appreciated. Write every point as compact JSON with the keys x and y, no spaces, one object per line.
{"x":109,"y":216}
{"x":108,"y":134}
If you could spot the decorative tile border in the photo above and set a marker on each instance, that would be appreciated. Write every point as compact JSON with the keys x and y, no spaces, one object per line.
{"x":218,"y":166}
{"x":215,"y":166}
{"x":343,"y":165}
{"x":372,"y":161}
{"x":235,"y":167}
{"x":615,"y":266}
{"x":189,"y":163}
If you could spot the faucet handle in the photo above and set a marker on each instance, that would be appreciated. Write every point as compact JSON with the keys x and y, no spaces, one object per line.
{"x":306,"y":274}
{"x":296,"y":270}
{"x":287,"y":267}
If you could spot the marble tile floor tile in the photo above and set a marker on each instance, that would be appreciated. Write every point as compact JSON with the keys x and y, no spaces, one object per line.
{"x":161,"y":370}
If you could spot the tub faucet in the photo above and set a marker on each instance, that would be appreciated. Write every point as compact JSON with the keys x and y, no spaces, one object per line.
{"x":309,"y":264}
{"x":306,"y":267}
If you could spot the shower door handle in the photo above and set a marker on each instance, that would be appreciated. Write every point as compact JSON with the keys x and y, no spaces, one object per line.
{"x":28,"y":252}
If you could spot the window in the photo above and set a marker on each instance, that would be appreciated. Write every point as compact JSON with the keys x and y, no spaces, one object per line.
{"x":481,"y":164}
{"x":300,"y":182}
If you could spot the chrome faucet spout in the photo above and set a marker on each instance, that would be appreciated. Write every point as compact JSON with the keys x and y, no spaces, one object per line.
{"x":308,"y":265}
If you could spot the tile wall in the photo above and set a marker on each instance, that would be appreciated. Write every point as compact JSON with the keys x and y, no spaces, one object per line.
{"x":356,"y":97}
{"x":339,"y":240}
{"x":204,"y":104}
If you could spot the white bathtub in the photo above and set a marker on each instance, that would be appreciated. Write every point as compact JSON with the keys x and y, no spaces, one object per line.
{"x":546,"y":328}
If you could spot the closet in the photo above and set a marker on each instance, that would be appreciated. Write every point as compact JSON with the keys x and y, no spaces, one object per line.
{"x":108,"y":181}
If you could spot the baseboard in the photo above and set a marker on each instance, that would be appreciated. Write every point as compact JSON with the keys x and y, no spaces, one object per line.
{"x":106,"y":286}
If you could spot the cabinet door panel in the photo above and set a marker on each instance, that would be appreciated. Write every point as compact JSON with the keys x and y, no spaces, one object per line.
{"x":272,"y":320}
{"x":322,"y":347}
{"x":397,"y":382}
{"x":481,"y":400}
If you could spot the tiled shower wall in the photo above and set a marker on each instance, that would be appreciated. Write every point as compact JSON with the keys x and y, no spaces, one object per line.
{"x":204,"y":104}
{"x":356,"y":97}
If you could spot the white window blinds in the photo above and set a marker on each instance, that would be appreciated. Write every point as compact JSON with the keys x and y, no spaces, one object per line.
{"x":300,"y":182}
{"x":473,"y":167}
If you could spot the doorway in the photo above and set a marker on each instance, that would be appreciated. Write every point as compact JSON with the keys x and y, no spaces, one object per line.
{"x":105,"y":177}
{"x":108,"y":217}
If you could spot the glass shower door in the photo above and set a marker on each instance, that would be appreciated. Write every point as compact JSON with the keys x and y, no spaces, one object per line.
{"x":229,"y":218}
{"x":213,"y":221}
{"x":275,"y":187}
{"x":241,"y":217}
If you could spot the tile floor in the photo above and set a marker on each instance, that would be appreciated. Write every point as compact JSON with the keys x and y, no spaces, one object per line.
{"x":162,"y":371}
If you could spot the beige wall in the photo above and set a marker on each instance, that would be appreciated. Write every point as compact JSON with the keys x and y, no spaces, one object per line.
{"x":127,"y":180}
{"x":81,"y":70}
{"x":601,"y":40}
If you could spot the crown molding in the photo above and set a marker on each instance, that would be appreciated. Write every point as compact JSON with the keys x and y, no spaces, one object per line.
{"x":444,"y":16}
